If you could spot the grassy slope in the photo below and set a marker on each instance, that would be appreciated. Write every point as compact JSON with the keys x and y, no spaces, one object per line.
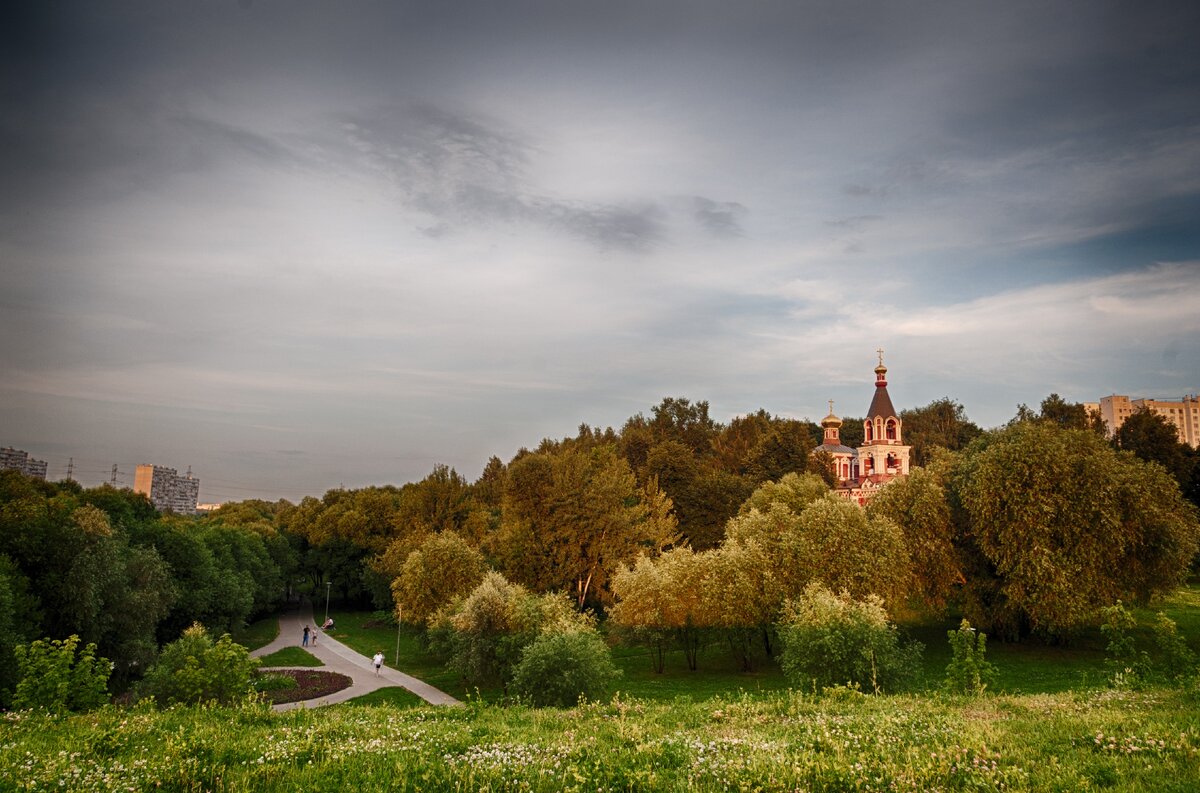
{"x":258,"y":634}
{"x":1124,"y":741}
{"x":291,"y":656}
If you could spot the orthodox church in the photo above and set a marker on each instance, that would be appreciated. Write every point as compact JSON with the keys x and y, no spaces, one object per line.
{"x":881,"y":458}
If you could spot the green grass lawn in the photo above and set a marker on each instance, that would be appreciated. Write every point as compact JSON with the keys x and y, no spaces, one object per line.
{"x":1183,"y":606}
{"x":291,"y":656}
{"x":257,"y":634}
{"x":395,"y":696}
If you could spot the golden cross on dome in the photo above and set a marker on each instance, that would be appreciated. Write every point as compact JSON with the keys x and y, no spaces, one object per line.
{"x":880,"y":351}
{"x":831,"y":407}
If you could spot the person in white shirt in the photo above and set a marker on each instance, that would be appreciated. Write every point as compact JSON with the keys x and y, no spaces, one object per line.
{"x":378,"y":660}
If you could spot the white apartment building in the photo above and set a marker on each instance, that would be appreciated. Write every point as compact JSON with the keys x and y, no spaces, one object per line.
{"x":1184,"y":414}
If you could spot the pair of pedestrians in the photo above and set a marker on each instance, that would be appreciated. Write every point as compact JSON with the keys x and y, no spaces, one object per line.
{"x":309,"y":633}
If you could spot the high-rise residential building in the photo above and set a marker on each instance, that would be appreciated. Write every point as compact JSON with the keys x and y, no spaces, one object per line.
{"x":17,"y":460}
{"x":167,"y":490}
{"x":1184,"y":415}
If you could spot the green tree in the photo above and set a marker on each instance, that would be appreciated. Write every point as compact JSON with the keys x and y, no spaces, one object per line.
{"x":852,"y":432}
{"x":704,"y":497}
{"x":794,"y":491}
{"x":942,"y":423}
{"x":1153,"y":438}
{"x":571,"y":517}
{"x":440,"y":502}
{"x":785,"y":449}
{"x":660,"y":599}
{"x":918,"y":505}
{"x":442,"y":568}
{"x":680,"y":420}
{"x":1055,"y":524}
{"x":830,"y":540}
{"x":144,"y":603}
{"x":20,"y":620}
{"x":1126,"y":663}
{"x":1063,"y":414}
{"x":741,"y":595}
{"x":487,"y":631}
{"x":736,"y":445}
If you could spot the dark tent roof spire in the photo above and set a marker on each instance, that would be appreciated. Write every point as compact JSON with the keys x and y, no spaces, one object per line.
{"x":881,"y":403}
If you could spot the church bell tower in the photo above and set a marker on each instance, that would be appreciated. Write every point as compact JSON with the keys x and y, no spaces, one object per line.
{"x":883,"y":455}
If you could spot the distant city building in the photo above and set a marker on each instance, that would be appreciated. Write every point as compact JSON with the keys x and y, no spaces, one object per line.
{"x":208,"y":507}
{"x":17,"y":460}
{"x":167,"y":490}
{"x":1184,"y":415}
{"x":882,"y":457}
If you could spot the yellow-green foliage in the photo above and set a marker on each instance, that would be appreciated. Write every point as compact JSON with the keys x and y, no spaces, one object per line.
{"x":832,"y":639}
{"x":442,"y":568}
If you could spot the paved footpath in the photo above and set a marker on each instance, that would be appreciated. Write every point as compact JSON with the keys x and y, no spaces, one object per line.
{"x":337,"y":657}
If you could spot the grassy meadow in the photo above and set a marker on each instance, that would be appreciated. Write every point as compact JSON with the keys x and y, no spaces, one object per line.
{"x":780,"y":741}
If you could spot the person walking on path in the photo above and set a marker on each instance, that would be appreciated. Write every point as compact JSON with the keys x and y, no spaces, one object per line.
{"x":305,"y":642}
{"x":338,"y":657}
{"x":315,"y":632}
{"x":378,"y":661}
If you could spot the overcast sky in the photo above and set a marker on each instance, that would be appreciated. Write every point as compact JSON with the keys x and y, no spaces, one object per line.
{"x":296,"y":245}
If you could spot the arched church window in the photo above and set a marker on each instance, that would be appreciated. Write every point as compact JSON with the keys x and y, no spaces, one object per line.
{"x":891,"y":430}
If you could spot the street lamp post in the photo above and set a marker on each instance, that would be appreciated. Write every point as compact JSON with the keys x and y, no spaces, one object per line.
{"x":400,"y":620}
{"x":328,"y":584}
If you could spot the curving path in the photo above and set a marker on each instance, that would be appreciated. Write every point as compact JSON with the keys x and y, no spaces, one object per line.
{"x":337,"y":657}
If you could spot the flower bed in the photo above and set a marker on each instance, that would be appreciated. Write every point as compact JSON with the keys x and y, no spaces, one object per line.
{"x":310,"y":684}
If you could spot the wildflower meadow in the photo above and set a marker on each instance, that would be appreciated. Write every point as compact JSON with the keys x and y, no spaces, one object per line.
{"x":833,"y":740}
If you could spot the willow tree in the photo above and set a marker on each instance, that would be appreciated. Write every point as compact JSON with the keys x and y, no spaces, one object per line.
{"x":444,"y":567}
{"x":1056,"y":524}
{"x":663,"y":598}
{"x":918,"y":505}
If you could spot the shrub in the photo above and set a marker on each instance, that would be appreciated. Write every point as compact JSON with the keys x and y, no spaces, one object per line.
{"x":833,"y":639}
{"x":485,"y":634}
{"x":968,"y":672}
{"x":1176,"y":661}
{"x":194,"y":669}
{"x":52,"y":677}
{"x":1126,"y":663}
{"x":557,"y":669}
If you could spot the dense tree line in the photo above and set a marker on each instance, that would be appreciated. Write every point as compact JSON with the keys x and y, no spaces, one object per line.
{"x":102,"y":564}
{"x":682,"y":529}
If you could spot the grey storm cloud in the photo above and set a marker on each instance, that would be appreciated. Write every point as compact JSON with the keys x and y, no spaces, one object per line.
{"x":461,"y":170}
{"x":719,"y":218}
{"x":374,"y":236}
